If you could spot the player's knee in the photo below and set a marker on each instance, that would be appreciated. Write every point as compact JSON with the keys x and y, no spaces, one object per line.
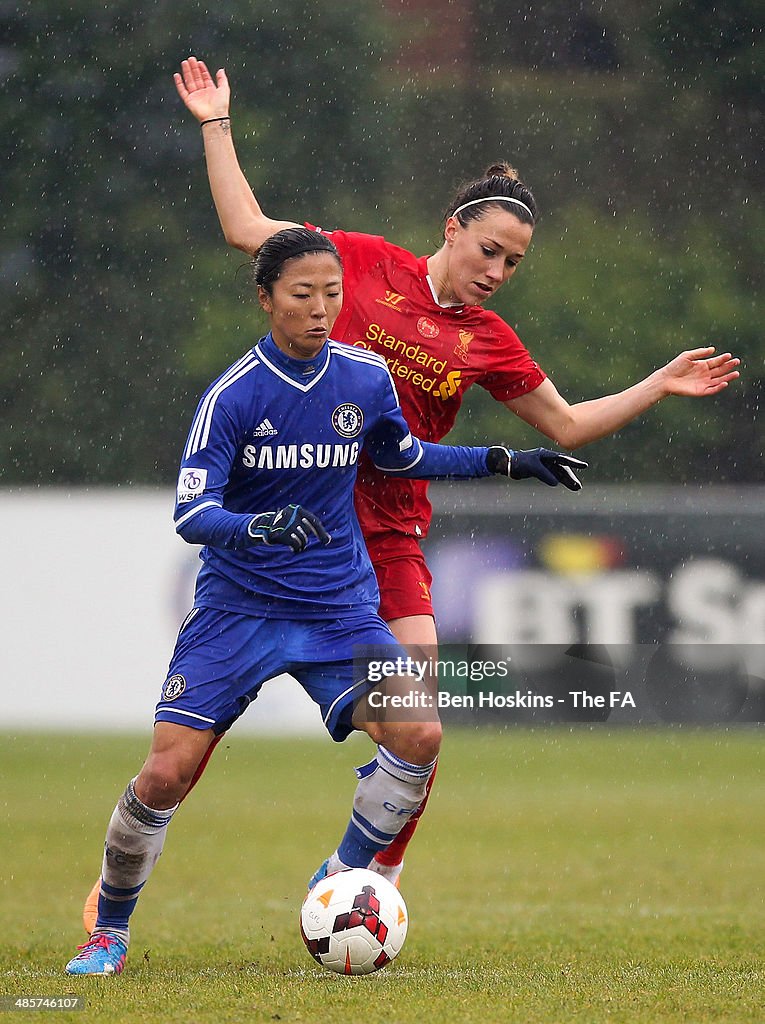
{"x":162,"y":782}
{"x":427,"y":741}
{"x":417,"y":742}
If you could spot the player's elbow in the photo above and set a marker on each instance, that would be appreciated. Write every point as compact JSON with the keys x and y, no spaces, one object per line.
{"x":238,"y":239}
{"x":249,"y":230}
{"x":570,"y":440}
{"x":191,"y":532}
{"x":566,"y":433}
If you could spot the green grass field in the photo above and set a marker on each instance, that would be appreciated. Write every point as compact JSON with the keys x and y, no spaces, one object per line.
{"x":593,"y":875}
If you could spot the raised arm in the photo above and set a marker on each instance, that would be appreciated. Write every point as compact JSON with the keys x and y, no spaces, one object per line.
{"x":244,"y":224}
{"x":695,"y":374}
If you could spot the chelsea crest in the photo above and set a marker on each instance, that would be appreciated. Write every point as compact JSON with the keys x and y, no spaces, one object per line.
{"x":348,"y":419}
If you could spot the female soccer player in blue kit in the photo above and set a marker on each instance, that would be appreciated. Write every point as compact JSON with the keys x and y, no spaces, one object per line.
{"x":282,"y":429}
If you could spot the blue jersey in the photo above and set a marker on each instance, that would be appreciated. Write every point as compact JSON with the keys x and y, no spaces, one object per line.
{"x":273,"y":430}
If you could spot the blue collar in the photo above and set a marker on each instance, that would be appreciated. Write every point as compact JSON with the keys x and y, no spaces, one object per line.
{"x":300,"y":370}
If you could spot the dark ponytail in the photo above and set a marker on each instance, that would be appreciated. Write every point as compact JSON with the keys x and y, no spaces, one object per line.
{"x":498,"y":180}
{"x":288,"y":244}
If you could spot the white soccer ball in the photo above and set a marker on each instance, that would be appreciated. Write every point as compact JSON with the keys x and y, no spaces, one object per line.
{"x":354,"y":921}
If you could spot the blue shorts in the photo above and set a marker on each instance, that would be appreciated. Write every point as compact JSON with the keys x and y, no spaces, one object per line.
{"x":222,"y":659}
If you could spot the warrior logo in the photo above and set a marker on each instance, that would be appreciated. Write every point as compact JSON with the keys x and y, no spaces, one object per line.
{"x":391,"y":299}
{"x":348,"y":419}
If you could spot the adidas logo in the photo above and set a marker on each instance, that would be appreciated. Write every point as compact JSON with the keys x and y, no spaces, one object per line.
{"x":265,"y":429}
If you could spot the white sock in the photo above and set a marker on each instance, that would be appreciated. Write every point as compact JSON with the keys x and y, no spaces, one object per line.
{"x":134,"y":840}
{"x":389,"y":791}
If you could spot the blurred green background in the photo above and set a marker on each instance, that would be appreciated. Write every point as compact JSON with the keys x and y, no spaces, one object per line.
{"x":638,"y":127}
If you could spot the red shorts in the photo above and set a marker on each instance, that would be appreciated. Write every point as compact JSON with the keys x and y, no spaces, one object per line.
{"x":402,"y":576}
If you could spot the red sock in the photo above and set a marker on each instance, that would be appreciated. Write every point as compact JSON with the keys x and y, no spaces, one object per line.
{"x":203,"y":764}
{"x":394,"y":853}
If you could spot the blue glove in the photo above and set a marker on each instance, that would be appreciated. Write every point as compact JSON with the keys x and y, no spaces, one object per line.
{"x":551,"y":467}
{"x":290,"y":525}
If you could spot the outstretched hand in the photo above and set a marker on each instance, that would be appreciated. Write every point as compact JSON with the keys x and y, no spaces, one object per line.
{"x":551,"y":467}
{"x":204,"y":96}
{"x":698,"y":372}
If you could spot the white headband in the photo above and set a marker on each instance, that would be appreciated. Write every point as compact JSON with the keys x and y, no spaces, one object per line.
{"x":493,"y":199}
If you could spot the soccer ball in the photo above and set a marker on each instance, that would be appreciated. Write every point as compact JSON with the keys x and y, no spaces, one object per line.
{"x":354,"y":921}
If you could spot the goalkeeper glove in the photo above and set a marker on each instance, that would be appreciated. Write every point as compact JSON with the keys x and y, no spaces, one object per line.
{"x":290,"y":525}
{"x":551,"y":467}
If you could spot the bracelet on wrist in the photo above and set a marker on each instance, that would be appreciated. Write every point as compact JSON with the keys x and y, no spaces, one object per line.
{"x":211,"y":119}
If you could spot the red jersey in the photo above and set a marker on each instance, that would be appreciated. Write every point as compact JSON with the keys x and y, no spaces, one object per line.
{"x":434,"y":354}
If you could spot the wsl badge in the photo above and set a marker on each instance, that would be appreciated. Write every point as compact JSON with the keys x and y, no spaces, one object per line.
{"x":191,"y":484}
{"x":348,"y":419}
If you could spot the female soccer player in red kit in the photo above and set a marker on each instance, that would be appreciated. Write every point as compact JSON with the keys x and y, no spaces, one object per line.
{"x":426,"y":317}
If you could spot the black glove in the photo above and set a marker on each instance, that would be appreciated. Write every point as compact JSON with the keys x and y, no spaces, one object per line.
{"x":290,"y":525}
{"x":551,"y":467}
